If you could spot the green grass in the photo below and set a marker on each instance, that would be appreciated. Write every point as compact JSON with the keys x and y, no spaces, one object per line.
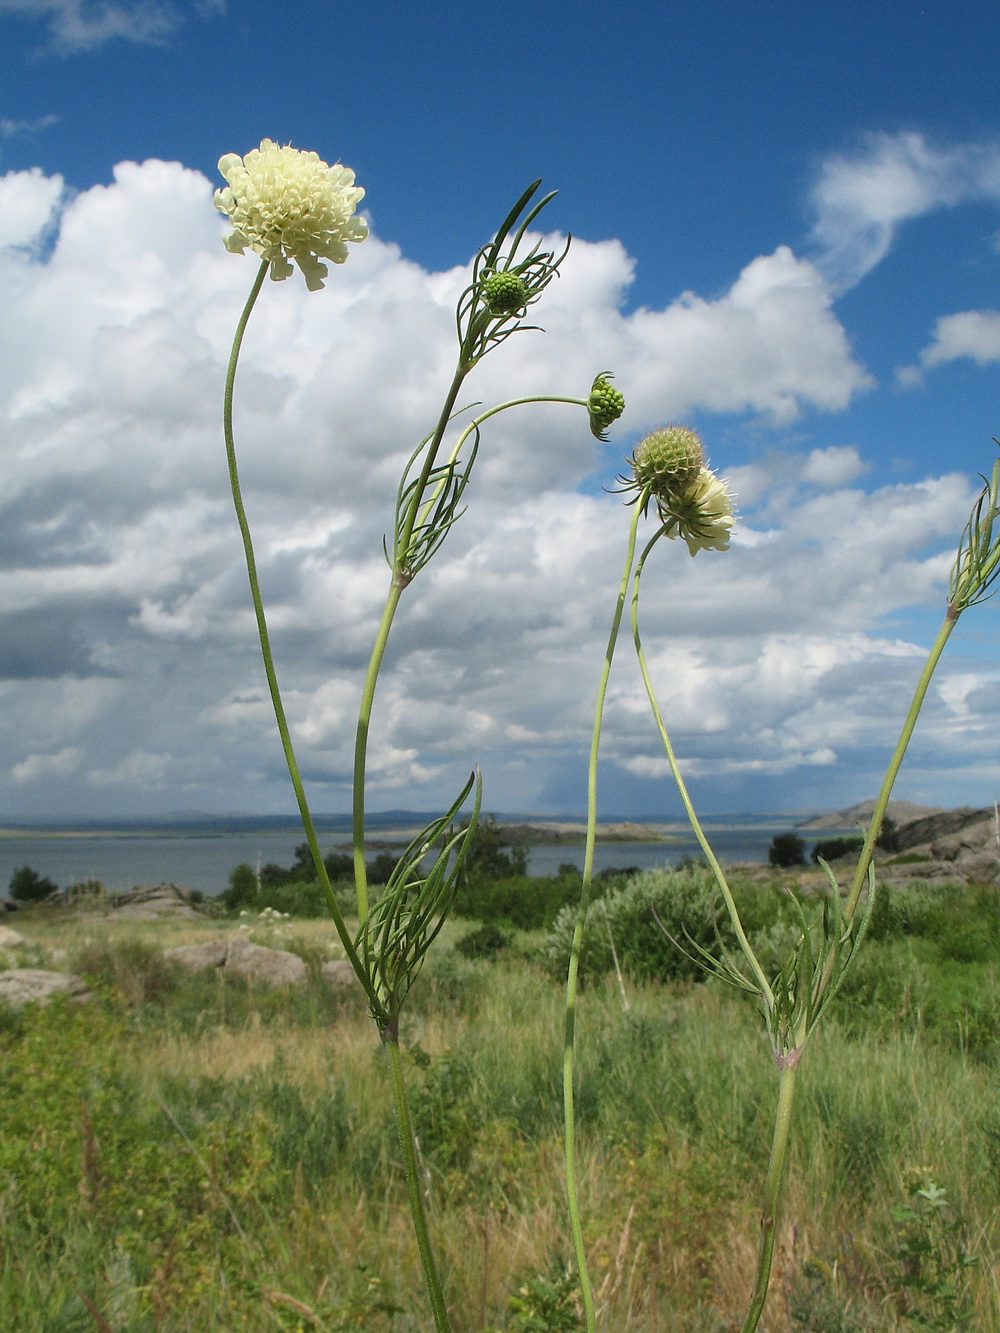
{"x":193,"y":1153}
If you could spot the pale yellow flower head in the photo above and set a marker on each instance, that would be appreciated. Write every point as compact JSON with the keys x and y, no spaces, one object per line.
{"x":702,"y":511}
{"x":285,"y":204}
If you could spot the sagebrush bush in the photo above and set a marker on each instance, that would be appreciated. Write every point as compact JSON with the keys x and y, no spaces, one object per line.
{"x":623,"y":924}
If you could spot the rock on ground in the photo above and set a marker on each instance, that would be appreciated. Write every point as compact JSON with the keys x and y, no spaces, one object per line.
{"x":272,"y":967}
{"x":339,"y":972}
{"x":148,"y":902}
{"x":11,"y":939}
{"x":22,"y":985}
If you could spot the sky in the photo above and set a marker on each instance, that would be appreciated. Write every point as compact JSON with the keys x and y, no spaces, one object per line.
{"x":786,"y":234}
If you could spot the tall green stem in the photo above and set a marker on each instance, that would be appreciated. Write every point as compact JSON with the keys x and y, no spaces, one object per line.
{"x":265,"y":642}
{"x":413,"y":1189}
{"x":569,"y":1031}
{"x":767,"y":995}
{"x":878,"y":814}
{"x":772,"y":1190}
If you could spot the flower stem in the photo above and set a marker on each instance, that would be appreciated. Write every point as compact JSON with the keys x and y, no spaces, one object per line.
{"x":916,"y":703}
{"x":265,"y":642}
{"x":400,"y":578}
{"x":766,"y":993}
{"x":772,"y":1190}
{"x":414,"y":1192}
{"x":569,"y":1030}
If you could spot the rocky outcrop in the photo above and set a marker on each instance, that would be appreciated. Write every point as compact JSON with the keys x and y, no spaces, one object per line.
{"x":271,"y":967}
{"x":918,"y":832}
{"x":149,"y":902}
{"x":27,"y":985}
{"x":857,"y":816}
{"x":11,"y":939}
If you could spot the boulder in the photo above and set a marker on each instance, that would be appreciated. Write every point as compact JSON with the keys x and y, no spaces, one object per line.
{"x":339,"y":972}
{"x":25,"y":985}
{"x":11,"y":939}
{"x":272,"y":967}
{"x":199,"y":956}
{"x":148,"y":902}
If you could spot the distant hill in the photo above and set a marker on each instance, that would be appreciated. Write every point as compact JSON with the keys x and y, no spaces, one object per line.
{"x":903,"y":812}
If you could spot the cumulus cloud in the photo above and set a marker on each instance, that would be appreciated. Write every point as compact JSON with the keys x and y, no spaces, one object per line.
{"x":974,"y":334}
{"x":84,"y":25}
{"x":861,"y":198}
{"x":130,"y":663}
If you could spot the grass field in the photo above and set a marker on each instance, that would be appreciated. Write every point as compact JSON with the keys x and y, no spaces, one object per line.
{"x":187,"y":1152}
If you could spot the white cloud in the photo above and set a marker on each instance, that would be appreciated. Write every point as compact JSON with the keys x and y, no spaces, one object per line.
{"x":27,"y":204}
{"x":126,"y":634}
{"x":836,"y":466}
{"x":11,"y":128}
{"x":40,"y":766}
{"x":970,"y":333}
{"x":860,"y":199}
{"x":83,"y":25}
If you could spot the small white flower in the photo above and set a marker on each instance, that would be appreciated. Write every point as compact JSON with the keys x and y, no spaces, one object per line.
{"x":702,"y":513}
{"x":285,"y":204}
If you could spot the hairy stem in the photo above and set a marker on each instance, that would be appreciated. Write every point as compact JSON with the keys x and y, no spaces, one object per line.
{"x":569,"y":1031}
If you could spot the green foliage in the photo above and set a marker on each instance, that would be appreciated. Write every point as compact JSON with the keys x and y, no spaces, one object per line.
{"x":518,"y":900}
{"x":486,"y":942}
{"x":786,"y":850}
{"x":816,"y":1305}
{"x":934,"y":1261}
{"x":486,"y":857}
{"x":623,"y":923}
{"x":832,"y":849}
{"x":28,"y":886}
{"x":546,"y":1302}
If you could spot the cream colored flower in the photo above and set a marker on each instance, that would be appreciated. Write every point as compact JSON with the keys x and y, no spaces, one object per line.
{"x":285,"y":204}
{"x":701,"y":513}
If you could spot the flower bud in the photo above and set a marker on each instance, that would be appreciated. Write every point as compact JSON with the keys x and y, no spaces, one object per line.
{"x":605,"y":405}
{"x":504,"y":293}
{"x":667,"y":459}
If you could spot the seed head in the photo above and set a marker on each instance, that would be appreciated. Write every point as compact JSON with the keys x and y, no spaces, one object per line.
{"x":667,"y":459}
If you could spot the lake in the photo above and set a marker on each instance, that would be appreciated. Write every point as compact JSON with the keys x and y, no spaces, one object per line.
{"x":204,"y":859}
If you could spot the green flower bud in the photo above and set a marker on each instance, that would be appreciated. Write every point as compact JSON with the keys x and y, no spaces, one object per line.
{"x":667,"y":460}
{"x":605,"y":405}
{"x":504,"y":293}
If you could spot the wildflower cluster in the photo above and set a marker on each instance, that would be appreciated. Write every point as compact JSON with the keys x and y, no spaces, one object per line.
{"x":285,"y":204}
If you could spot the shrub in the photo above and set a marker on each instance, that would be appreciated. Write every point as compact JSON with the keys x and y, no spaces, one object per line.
{"x":519,"y":900}
{"x":832,"y":849}
{"x":28,"y":886}
{"x":683,"y":901}
{"x":787,"y":849}
{"x":486,"y":942}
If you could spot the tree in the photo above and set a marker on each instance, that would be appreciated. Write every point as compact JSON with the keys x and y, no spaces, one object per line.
{"x":486,"y":858}
{"x":787,"y":849}
{"x":28,"y":886}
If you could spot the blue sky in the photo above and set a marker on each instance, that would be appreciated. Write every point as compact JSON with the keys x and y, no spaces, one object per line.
{"x":786,"y":224}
